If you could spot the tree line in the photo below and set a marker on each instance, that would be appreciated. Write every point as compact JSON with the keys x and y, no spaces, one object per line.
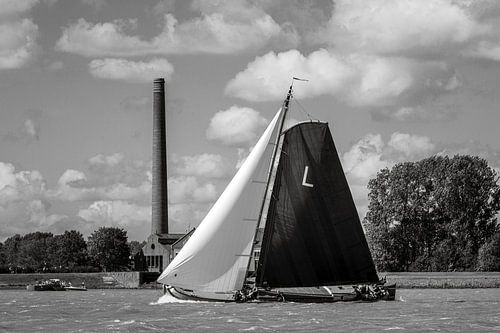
{"x":107,"y":249}
{"x":437,"y":214}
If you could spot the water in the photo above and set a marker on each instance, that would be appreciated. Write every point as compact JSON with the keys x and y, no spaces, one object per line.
{"x":417,"y":310}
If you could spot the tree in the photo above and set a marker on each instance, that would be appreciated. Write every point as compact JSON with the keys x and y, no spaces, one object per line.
{"x":489,"y":255}
{"x":68,"y":250}
{"x":108,"y":248}
{"x":433,"y":214}
{"x":11,"y":251}
{"x":34,"y":251}
{"x":136,"y":246}
{"x":3,"y":258}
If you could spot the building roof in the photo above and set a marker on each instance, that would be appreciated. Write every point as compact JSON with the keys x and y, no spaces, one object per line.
{"x":184,"y":237}
{"x":169,"y":238}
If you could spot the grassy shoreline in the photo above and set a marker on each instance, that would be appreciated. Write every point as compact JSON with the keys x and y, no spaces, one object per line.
{"x":134,"y":280}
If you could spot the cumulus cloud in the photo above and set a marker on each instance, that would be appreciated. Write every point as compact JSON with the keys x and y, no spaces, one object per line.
{"x":370,"y":154}
{"x":132,"y":217}
{"x":268,"y":77}
{"x":17,"y":42}
{"x":185,"y":216}
{"x":364,"y":159}
{"x":186,"y":189}
{"x":485,"y":50}
{"x":16,"y":7}
{"x":26,"y":198}
{"x":393,"y":58}
{"x":222,"y":28}
{"x":109,"y":177}
{"x":23,"y":200}
{"x":130,"y":71}
{"x":236,"y":126}
{"x":113,"y":213}
{"x":203,"y":165}
{"x":101,"y":160}
{"x":75,"y":186}
{"x":360,"y":80}
{"x":399,"y":26}
{"x":413,"y":146}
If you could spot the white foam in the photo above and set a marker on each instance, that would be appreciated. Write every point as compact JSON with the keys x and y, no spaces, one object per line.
{"x":394,"y":328}
{"x":171,"y":299}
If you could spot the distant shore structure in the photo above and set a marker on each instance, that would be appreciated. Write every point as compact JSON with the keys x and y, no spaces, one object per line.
{"x":159,"y":198}
{"x":161,"y":246}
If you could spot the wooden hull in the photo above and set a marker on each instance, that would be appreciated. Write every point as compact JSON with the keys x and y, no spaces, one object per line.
{"x":299,"y":295}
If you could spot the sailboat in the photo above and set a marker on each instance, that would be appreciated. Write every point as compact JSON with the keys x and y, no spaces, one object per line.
{"x":284,"y":229}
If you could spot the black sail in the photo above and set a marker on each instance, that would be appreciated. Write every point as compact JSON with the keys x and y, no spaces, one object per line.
{"x":313,"y":235}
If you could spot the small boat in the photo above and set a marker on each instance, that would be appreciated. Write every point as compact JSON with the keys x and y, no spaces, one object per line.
{"x":47,"y":285}
{"x":70,"y":287}
{"x":284,"y":229}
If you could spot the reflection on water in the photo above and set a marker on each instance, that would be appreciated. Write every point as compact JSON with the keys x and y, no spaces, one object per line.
{"x":417,"y":310}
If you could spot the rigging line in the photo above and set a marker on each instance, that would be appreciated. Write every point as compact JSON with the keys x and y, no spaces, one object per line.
{"x":304,"y":110}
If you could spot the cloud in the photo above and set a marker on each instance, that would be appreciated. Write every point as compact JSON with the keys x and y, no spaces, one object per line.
{"x":23,"y":201}
{"x":222,"y":28}
{"x":75,"y":186}
{"x":26,"y":133}
{"x":236,"y":126}
{"x":268,"y":77}
{"x":186,"y":189}
{"x":17,"y":43}
{"x":130,"y":71}
{"x":185,"y":216}
{"x":32,"y":129}
{"x":399,"y":26}
{"x":360,"y":80}
{"x":101,"y":160}
{"x":26,"y":199}
{"x":415,"y":114}
{"x":16,"y":7}
{"x":113,"y":213}
{"x":73,"y":178}
{"x":485,"y":50}
{"x":203,"y":165}
{"x":370,"y":154}
{"x":413,"y":146}
{"x":135,"y":219}
{"x":364,"y":159}
{"x":109,"y":177}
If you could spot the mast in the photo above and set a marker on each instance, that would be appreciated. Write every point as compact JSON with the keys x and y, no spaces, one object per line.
{"x":271,"y":172}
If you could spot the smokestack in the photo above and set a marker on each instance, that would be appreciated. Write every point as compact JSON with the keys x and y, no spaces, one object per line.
{"x":159,"y":222}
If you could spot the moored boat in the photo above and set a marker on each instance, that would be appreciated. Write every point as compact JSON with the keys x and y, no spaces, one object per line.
{"x":47,"y":285}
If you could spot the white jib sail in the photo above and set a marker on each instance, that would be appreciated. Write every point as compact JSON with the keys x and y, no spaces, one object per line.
{"x":215,"y":258}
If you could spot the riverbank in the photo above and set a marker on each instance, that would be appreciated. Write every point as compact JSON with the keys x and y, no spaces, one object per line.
{"x":103,"y":280}
{"x":134,"y":280}
{"x":443,"y":280}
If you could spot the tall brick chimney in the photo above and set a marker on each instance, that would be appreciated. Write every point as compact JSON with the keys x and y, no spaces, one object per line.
{"x":159,"y":221}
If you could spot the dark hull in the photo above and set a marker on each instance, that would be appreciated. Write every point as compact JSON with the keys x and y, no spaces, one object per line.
{"x":300,"y":295}
{"x":39,"y":287}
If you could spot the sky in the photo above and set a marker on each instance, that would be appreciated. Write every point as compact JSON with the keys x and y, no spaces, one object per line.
{"x":397,"y":80}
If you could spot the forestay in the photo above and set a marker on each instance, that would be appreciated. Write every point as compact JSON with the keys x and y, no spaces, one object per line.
{"x":215,"y":258}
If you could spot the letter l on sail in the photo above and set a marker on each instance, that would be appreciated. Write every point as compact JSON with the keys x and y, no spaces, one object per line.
{"x":304,"y":179}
